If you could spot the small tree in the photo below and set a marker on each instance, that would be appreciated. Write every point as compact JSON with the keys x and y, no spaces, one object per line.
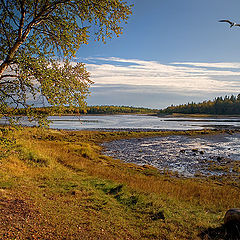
{"x":34,"y":32}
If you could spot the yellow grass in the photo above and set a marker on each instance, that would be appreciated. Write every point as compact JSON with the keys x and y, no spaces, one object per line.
{"x":75,"y":192}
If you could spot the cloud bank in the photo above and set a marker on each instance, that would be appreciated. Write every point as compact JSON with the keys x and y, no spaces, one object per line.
{"x":135,"y":82}
{"x":181,"y":77}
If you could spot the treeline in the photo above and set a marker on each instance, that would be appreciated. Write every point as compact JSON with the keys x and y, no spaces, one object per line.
{"x":119,"y":110}
{"x":88,"y":110}
{"x":228,"y":105}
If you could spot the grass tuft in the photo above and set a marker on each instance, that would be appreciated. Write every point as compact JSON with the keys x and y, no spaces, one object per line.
{"x":32,"y":158}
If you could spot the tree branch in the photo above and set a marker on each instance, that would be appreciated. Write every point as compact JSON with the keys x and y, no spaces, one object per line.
{"x":13,"y":99}
{"x":8,"y":75}
{"x":21,"y":25}
{"x":9,"y":13}
{"x":6,"y":34}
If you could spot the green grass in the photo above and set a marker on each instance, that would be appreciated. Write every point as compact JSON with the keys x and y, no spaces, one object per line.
{"x":58,"y":185}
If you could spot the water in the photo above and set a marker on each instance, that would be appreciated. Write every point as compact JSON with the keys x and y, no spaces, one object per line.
{"x":187,"y":155}
{"x":134,"y":122}
{"x":138,"y":122}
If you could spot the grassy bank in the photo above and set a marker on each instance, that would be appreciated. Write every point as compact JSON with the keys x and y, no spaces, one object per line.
{"x":58,"y":185}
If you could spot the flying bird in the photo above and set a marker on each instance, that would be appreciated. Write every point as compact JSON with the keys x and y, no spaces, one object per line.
{"x":231,"y":23}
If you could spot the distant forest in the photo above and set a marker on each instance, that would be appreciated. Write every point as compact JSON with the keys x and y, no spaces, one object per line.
{"x":88,"y":110}
{"x":229,"y":105}
{"x":119,"y":110}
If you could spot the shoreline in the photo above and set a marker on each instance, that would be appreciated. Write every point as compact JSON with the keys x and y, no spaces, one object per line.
{"x":211,"y":128}
{"x":207,"y":128}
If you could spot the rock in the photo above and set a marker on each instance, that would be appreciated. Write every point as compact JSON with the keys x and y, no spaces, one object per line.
{"x":195,"y":150}
{"x":223,"y":159}
{"x":230,"y":132}
{"x":220,"y":158}
{"x":182,"y":151}
{"x":232,"y":223}
{"x":198,"y":174}
{"x":232,"y":215}
{"x":201,"y":152}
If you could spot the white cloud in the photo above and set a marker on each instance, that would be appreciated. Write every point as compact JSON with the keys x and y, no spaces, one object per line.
{"x":182,"y":77}
{"x":211,"y":65}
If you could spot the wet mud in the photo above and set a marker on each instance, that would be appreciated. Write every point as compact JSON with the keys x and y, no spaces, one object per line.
{"x":189,"y":156}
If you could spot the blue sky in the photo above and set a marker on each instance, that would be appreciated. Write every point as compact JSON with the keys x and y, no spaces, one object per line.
{"x":170,"y":52}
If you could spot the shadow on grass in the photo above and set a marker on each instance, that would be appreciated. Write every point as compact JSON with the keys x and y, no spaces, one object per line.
{"x":213,"y":234}
{"x":224,"y":232}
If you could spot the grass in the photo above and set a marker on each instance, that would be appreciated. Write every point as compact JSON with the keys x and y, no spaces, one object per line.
{"x":58,"y":185}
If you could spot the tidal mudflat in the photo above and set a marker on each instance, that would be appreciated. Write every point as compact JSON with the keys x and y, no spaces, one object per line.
{"x":189,"y":156}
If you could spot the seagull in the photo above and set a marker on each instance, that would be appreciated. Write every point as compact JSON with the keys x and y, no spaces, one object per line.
{"x":231,"y":23}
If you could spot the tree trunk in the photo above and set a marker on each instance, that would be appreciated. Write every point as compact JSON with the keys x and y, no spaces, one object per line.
{"x":3,"y":67}
{"x":9,"y":57}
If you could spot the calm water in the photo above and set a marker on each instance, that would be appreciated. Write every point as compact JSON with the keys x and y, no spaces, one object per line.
{"x":138,"y":122}
{"x":135,"y":122}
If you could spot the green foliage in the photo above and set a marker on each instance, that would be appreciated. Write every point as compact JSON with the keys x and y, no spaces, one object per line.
{"x":118,"y":110}
{"x":7,"y":142}
{"x":38,"y":40}
{"x":221,"y":106}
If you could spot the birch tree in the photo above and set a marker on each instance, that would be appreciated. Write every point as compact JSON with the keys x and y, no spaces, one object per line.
{"x":35,"y":34}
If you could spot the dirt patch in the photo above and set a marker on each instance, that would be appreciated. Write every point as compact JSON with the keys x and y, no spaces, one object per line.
{"x":19,"y":219}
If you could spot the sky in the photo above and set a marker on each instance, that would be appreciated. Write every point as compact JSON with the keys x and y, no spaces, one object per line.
{"x":170,"y":52}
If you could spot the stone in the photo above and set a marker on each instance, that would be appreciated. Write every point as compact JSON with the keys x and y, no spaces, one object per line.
{"x":232,"y":223}
{"x":232,"y":215}
{"x":195,"y":150}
